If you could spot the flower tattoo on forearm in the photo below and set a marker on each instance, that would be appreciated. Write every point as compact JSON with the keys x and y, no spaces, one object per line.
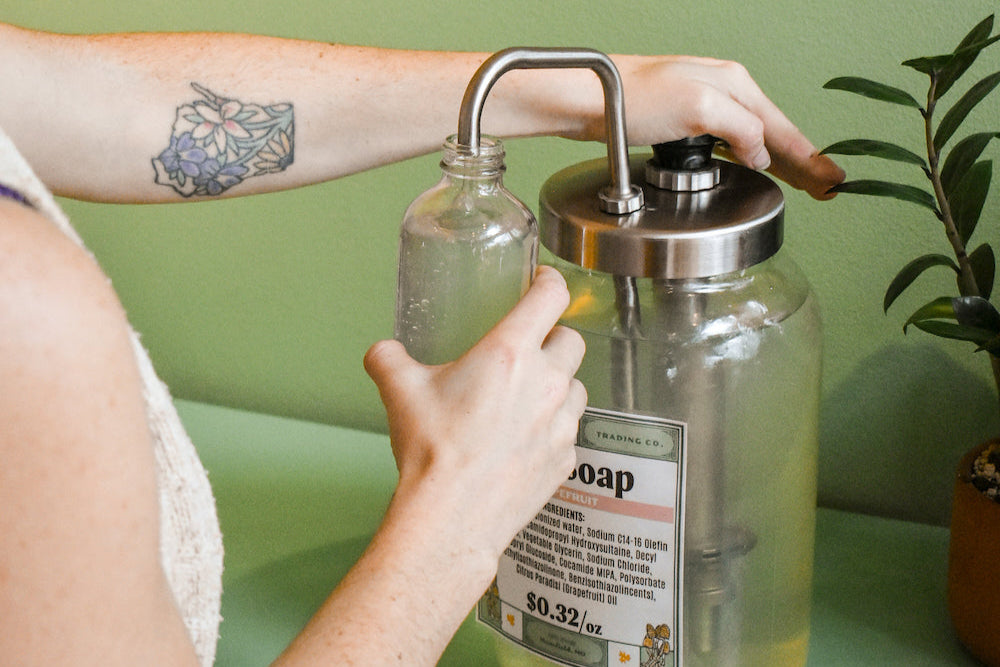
{"x":217,"y":143}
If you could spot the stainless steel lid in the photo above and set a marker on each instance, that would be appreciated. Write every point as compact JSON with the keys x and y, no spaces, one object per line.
{"x":735,"y":223}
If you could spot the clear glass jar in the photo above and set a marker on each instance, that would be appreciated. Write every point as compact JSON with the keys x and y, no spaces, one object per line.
{"x":685,"y":535}
{"x":467,"y":252}
{"x":737,"y":359}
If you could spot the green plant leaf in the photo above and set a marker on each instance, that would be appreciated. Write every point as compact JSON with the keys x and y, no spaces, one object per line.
{"x":930,"y":65}
{"x":911,"y":272}
{"x":899,"y":191}
{"x":938,"y":309}
{"x":971,"y":319}
{"x":872,"y":89}
{"x":957,"y":114}
{"x":965,"y":54}
{"x":984,"y":267}
{"x":874,"y":148}
{"x":968,"y":197}
{"x":982,"y":338}
{"x":961,"y":61}
{"x":976,"y":312}
{"x":962,"y":157}
{"x":948,"y":67}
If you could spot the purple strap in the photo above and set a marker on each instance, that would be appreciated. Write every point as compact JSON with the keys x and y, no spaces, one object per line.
{"x":13,"y":194}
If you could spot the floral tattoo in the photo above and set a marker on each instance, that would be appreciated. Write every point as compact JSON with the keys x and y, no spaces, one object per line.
{"x":217,"y":143}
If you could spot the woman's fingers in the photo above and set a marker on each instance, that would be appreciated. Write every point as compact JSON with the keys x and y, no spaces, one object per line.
{"x":530,"y":325}
{"x":808,"y":171}
{"x":537,"y":312}
{"x":573,"y":407}
{"x":566,"y":346}
{"x":762,"y":137}
{"x":678,"y":96}
{"x":794,"y":159}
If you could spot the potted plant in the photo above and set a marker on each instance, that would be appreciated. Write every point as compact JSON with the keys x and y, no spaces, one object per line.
{"x":959,"y":183}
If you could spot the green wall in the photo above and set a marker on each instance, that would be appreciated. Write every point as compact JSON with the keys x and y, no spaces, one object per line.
{"x":255,"y":303}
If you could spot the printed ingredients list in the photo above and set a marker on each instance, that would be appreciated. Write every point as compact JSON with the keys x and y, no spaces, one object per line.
{"x":598,"y":565}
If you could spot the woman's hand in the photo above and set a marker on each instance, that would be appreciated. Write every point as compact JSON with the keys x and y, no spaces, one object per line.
{"x":481,"y":443}
{"x":704,"y":96}
{"x":491,"y":434}
{"x":672,"y":97}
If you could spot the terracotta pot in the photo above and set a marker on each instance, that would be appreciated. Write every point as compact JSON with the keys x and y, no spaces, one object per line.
{"x":974,"y":566}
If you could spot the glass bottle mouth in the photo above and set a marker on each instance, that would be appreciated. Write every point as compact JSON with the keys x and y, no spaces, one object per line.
{"x":459,"y":159}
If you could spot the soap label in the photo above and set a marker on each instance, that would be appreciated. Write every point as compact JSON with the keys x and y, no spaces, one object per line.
{"x":594,"y":579}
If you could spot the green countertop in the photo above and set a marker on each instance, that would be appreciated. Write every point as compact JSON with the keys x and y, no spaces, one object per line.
{"x":298,"y":502}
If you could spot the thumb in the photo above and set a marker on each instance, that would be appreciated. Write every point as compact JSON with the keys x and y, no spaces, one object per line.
{"x":386,"y":363}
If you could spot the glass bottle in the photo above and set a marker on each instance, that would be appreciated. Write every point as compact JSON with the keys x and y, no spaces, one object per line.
{"x":467,"y":252}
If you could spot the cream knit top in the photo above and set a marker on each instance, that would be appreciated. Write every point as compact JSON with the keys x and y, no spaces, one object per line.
{"x":190,"y":540}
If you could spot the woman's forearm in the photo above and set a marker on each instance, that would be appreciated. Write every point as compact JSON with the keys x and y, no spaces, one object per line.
{"x":402,"y":602}
{"x":133,"y":117}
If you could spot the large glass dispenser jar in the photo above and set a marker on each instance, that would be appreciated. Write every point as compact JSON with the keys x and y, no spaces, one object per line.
{"x":685,"y":534}
{"x":467,"y":251}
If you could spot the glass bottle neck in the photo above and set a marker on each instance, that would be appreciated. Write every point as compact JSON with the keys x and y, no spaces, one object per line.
{"x":458,"y":161}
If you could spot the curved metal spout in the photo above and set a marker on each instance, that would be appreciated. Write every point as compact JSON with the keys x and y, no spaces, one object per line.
{"x":620,"y":197}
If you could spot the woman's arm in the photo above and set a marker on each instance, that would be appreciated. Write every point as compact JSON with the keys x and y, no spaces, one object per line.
{"x":141,"y":117}
{"x":80,"y":576}
{"x":91,"y":113}
{"x":481,"y":444}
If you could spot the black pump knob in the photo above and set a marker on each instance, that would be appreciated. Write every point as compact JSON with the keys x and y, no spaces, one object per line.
{"x":689,"y":154}
{"x":684,"y":165}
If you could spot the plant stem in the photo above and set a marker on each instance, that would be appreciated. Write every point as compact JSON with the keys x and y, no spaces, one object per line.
{"x":966,"y":279}
{"x":967,"y":285}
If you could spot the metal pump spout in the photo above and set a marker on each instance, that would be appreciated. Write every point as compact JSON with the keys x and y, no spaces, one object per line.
{"x":620,"y":197}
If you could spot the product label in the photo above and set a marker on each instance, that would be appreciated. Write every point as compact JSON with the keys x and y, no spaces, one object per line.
{"x":594,"y":579}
